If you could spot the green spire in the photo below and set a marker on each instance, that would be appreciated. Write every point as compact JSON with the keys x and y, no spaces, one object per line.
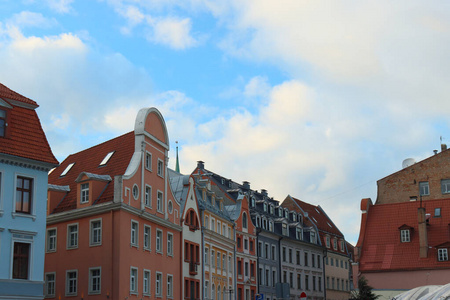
{"x":177,"y":167}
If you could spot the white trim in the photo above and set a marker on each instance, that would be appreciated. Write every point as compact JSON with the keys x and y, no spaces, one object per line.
{"x":47,"y":250}
{"x":160,"y":174}
{"x":46,"y":285}
{"x":150,"y":196}
{"x":171,"y":242}
{"x":149,"y":248}
{"x":134,"y":291}
{"x":25,"y":240}
{"x":90,"y":291}
{"x":136,"y":235}
{"x":151,"y":161}
{"x":160,"y":209}
{"x":68,"y":246}
{"x":160,"y":284}
{"x":149,"y":282}
{"x":91,"y":243}
{"x":160,"y":250}
{"x":83,"y":192}
{"x":32,"y":213}
{"x":1,"y":193}
{"x":170,"y":296}
{"x":66,"y":293}
{"x":135,"y":187}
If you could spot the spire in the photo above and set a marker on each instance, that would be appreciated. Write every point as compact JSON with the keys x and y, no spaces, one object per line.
{"x":177,"y":167}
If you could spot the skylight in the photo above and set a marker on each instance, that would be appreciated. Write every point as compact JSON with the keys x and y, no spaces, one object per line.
{"x":67,"y":169}
{"x":314,"y":219}
{"x":107,"y":157}
{"x":329,"y":225}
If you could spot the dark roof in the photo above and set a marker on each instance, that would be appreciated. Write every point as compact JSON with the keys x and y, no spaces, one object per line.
{"x":25,"y":137}
{"x":88,"y":161}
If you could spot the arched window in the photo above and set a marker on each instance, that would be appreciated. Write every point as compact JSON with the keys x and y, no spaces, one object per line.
{"x":244,"y":221}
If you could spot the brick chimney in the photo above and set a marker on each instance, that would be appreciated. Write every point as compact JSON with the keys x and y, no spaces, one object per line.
{"x":423,"y":238}
{"x":246,"y":185}
{"x":443,"y":147}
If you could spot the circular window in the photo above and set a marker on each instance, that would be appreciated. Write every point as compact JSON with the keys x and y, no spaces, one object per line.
{"x":170,"y":206}
{"x":135,"y":192}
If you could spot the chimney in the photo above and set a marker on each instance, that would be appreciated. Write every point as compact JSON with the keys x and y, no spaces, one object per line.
{"x":264,"y":192}
{"x":443,"y":147}
{"x":423,"y":239}
{"x":246,"y":185}
{"x":200,"y":164}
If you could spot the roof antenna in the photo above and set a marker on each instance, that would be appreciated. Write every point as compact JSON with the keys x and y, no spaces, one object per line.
{"x":177,"y":166}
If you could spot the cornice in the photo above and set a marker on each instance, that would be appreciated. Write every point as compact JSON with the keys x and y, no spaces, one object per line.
{"x":26,"y":162}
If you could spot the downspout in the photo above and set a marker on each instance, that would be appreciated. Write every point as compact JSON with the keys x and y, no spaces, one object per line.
{"x":142,"y":175}
{"x":203,"y":256}
{"x":258,"y":231}
{"x":112,"y":256}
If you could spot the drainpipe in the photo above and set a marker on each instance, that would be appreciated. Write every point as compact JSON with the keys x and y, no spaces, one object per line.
{"x":203,"y":256}
{"x":423,"y":238}
{"x":234,"y":271}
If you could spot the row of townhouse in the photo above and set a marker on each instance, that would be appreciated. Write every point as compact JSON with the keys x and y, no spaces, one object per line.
{"x":119,"y":224}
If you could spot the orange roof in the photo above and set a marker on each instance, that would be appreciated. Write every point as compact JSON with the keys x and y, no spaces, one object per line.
{"x":25,"y":137}
{"x":89,"y":161}
{"x":382,"y":249}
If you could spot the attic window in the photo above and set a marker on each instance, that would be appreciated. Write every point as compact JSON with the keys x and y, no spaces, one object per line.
{"x":317,"y":210}
{"x":405,"y":236}
{"x":106,"y":159}
{"x":442,"y":254}
{"x":67,"y":169}
{"x":314,"y":219}
{"x":329,"y":225}
{"x":3,"y":123}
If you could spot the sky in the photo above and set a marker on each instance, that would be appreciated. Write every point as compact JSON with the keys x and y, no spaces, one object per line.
{"x":313,"y":99}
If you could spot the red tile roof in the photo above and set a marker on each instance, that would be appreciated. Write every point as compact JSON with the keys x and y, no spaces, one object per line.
{"x":382,"y":248}
{"x":25,"y":137}
{"x":88,"y":161}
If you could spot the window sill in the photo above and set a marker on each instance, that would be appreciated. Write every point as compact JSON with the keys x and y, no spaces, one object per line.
{"x":14,"y":215}
{"x":134,"y":293}
{"x":95,"y":245}
{"x":134,"y":245}
{"x":50,"y":251}
{"x":169,"y":254}
{"x":148,"y":249}
{"x":49,"y":296}
{"x":1,"y":213}
{"x":94,"y":293}
{"x":71,"y":295}
{"x":72,"y":248}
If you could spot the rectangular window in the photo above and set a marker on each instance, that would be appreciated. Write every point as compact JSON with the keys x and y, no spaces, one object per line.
{"x":318,"y":261}
{"x":133,"y":280}
{"x":148,"y":196}
{"x":437,"y":212}
{"x":84,"y":193}
{"x":169,"y":244}
{"x":313,"y":260}
{"x":445,"y":186}
{"x":424,"y":188}
{"x":95,"y":279}
{"x":306,"y":259}
{"x":96,"y":233}
{"x":404,"y":235}
{"x":307,"y":282}
{"x":245,"y":244}
{"x":50,"y":285}
{"x":218,"y":260}
{"x":314,"y":283}
{"x":239,"y":268}
{"x":266,"y":250}
{"x":238,"y":242}
{"x":290,"y":256}
{"x":21,"y":260}
{"x":2,"y":123}
{"x":284,"y":254}
{"x":224,"y":264}
{"x":213,"y":258}
{"x":274,"y":278}
{"x":273,"y":252}
{"x":158,"y":290}
{"x":442,"y":254}
{"x":169,"y":286}
{"x":160,"y":168}
{"x":320,"y":283}
{"x":24,"y":195}
{"x":146,"y":283}
{"x":71,"y":282}
{"x":134,"y":233}
{"x":148,"y":161}
{"x":72,"y":236}
{"x":147,"y":237}
{"x":291,"y":279}
{"x":299,"y":281}
{"x":159,"y":240}
{"x":267,"y":277}
{"x":51,"y":240}
{"x":206,"y":256}
{"x":159,"y":202}
{"x":206,"y":222}
{"x":213,"y":224}
{"x":246,"y":269}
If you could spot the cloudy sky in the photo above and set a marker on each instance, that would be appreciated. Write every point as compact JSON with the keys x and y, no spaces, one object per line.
{"x":314,"y":99}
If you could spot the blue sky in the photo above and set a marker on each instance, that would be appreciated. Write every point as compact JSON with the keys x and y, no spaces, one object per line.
{"x":313,"y":99}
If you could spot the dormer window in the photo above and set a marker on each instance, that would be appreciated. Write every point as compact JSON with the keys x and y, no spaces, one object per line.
{"x":284,"y":230}
{"x":280,"y":212}
{"x":252,"y":202}
{"x":3,"y":123}
{"x":270,"y":226}
{"x":342,"y":246}
{"x":300,"y":218}
{"x":106,"y":159}
{"x":443,"y":254}
{"x":405,"y":236}
{"x":84,"y":193}
{"x":265,"y":207}
{"x":298,"y":233}
{"x":312,"y":237}
{"x":294,"y":217}
{"x":334,"y":244}
{"x":327,"y":241}
{"x":271,"y":209}
{"x":286,"y":213}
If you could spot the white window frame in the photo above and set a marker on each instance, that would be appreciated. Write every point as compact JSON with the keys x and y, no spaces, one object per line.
{"x":146,"y":291}
{"x":135,"y":191}
{"x":69,"y":236}
{"x":169,"y":244}
{"x":67,"y":293}
{"x":91,"y":232}
{"x":160,"y":168}
{"x":327,"y":241}
{"x":445,"y":186}
{"x":148,"y":196}
{"x":55,"y":238}
{"x":158,"y":286}
{"x":134,"y":234}
{"x":148,"y":165}
{"x":405,"y":236}
{"x":84,"y":193}
{"x":160,"y":201}
{"x":169,"y":286}
{"x":32,"y":213}
{"x":159,"y":241}
{"x":213,"y":224}
{"x":26,"y":237}
{"x":424,"y":188}
{"x":442,"y":254}
{"x":134,"y":277}
{"x":47,"y":283}
{"x":206,"y":222}
{"x":147,"y":237}
{"x":91,"y":281}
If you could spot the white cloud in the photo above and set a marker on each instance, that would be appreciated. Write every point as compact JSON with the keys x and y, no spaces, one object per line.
{"x":30,"y":19}
{"x":173,"y":32}
{"x":60,"y":6}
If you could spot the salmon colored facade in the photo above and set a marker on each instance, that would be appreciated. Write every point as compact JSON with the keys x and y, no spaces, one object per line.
{"x":113,"y":225}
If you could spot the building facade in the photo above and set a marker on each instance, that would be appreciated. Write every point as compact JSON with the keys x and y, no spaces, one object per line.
{"x":25,"y":160}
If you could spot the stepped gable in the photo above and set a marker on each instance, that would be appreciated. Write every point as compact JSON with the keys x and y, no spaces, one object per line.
{"x":25,"y":136}
{"x":89,"y":161}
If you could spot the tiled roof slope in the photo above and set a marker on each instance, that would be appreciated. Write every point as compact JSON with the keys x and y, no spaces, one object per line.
{"x":25,"y":135}
{"x":316,"y":213}
{"x":382,"y":249}
{"x":88,"y":161}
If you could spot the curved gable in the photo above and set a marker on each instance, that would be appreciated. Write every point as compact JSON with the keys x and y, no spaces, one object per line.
{"x":150,"y":122}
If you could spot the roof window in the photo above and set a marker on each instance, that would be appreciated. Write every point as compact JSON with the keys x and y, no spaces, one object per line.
{"x":106,"y":159}
{"x":67,"y":169}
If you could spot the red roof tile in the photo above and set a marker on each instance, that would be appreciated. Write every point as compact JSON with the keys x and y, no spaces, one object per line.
{"x":88,"y":161}
{"x":382,"y":248}
{"x":25,"y":137}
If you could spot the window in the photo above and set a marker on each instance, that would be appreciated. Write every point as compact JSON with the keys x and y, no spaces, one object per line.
{"x":290,"y":256}
{"x":334,"y":244}
{"x":437,"y":212}
{"x":21,"y":260}
{"x":95,"y":280}
{"x":342,"y":246}
{"x":169,"y":286}
{"x":266,"y":250}
{"x":3,"y":123}
{"x":224,"y":265}
{"x":147,"y":237}
{"x":424,"y":188}
{"x":160,"y":168}
{"x":312,"y":237}
{"x":445,"y":186}
{"x":67,"y":169}
{"x":218,"y":260}
{"x":265,"y":207}
{"x":169,"y":244}
{"x":273,"y":252}
{"x":106,"y":159}
{"x":96,"y":233}
{"x":51,"y":240}
{"x":404,"y":235}
{"x":24,"y":195}
{"x":146,"y":283}
{"x":158,"y":290}
{"x":213,"y":259}
{"x":306,"y":259}
{"x":72,"y":236}
{"x":244,"y":221}
{"x":284,"y":253}
{"x":159,"y":202}
{"x":84,"y":193}
{"x":297,"y":256}
{"x":213,"y":224}
{"x":159,"y":241}
{"x":299,"y":281}
{"x":298,"y":233}
{"x":49,"y":285}
{"x":134,"y":233}
{"x":442,"y":254}
{"x":148,"y":196}
{"x":206,"y":222}
{"x":206,"y":256}
{"x":307,"y":282}
{"x":245,"y":244}
{"x":318,"y":261}
{"x":148,"y":161}
{"x":313,"y":260}
{"x":71,"y":282}
{"x":133,"y":280}
{"x":135,"y":192}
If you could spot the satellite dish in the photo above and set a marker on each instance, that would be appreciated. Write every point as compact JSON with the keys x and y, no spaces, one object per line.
{"x":408,"y":162}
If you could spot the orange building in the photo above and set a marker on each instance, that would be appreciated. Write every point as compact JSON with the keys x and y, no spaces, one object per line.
{"x":113,"y":224}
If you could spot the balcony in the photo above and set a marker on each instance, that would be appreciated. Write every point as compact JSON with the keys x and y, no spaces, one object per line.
{"x":193,"y":268}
